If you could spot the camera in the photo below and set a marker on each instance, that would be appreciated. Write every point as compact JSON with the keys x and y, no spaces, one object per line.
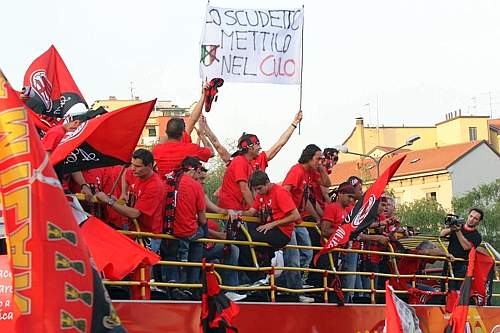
{"x":454,"y":220}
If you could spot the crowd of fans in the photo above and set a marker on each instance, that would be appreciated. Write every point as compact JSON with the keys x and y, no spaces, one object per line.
{"x":163,"y":190}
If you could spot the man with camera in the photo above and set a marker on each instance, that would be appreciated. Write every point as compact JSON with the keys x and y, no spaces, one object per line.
{"x":462,"y":237}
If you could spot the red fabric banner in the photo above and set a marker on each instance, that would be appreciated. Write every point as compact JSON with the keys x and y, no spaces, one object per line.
{"x":458,"y":317}
{"x":217,"y":311}
{"x":358,"y":219}
{"x":484,"y":263}
{"x":56,"y":289}
{"x":103,"y":242}
{"x":103,"y":141}
{"x":52,"y":90}
{"x":399,"y":316}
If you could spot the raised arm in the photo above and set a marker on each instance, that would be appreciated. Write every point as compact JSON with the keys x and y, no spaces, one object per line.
{"x":198,"y":108}
{"x":203,"y":138}
{"x":283,"y":139}
{"x":221,"y":150}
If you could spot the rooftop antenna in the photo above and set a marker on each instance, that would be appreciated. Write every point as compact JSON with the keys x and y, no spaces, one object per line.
{"x":132,"y":90}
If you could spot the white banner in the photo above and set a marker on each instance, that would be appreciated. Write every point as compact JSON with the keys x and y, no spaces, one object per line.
{"x":251,"y":45}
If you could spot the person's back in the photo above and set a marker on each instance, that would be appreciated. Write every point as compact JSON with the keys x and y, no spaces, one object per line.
{"x":190,"y":200}
{"x":170,"y":154}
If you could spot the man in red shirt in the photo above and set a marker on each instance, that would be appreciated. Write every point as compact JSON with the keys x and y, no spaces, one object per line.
{"x":147,"y":193}
{"x":261,"y":161}
{"x":298,"y":182}
{"x":278,"y":214}
{"x":333,"y":216}
{"x":235,"y":193}
{"x":189,"y":219}
{"x":168,"y":155}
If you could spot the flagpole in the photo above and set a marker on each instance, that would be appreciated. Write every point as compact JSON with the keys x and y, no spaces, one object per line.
{"x":117,"y":180}
{"x":301,"y":63}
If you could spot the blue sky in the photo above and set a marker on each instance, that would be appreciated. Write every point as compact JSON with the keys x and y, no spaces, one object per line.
{"x":421,"y":59}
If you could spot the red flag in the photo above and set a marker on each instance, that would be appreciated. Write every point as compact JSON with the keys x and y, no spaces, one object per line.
{"x":52,"y":90}
{"x":103,"y":242}
{"x":484,"y":263}
{"x":56,"y":287}
{"x":361,"y":215}
{"x":103,"y":141}
{"x":217,"y":311}
{"x":399,"y":316}
{"x":458,"y":317}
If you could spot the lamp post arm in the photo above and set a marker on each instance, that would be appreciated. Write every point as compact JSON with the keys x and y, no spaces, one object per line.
{"x":384,"y":155}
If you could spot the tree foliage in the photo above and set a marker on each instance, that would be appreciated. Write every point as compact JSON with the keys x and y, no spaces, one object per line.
{"x":486,"y":197}
{"x":425,"y":215}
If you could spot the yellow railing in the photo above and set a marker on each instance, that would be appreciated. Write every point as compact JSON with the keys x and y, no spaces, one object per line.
{"x":272,"y":287}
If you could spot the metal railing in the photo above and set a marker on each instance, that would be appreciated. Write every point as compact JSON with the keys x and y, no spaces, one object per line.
{"x":273,"y":288}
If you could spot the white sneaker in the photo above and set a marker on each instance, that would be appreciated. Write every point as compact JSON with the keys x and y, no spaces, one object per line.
{"x":235,"y":297}
{"x":305,"y":299}
{"x":261,"y":282}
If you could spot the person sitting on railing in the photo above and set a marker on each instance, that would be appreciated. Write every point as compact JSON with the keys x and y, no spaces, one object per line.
{"x":298,"y":182}
{"x":227,"y":253}
{"x":145,"y":195}
{"x":461,"y":240}
{"x":278,"y":214}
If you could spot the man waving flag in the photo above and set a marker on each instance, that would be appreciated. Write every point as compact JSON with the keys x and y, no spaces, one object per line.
{"x":56,"y":287}
{"x":363,"y":213}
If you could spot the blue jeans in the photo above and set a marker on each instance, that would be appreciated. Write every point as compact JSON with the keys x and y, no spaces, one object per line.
{"x":195,"y":254}
{"x":291,"y":258}
{"x":349,"y":264}
{"x":229,"y":276}
{"x":304,"y":239}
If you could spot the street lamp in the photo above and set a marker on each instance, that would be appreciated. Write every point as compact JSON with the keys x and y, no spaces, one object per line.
{"x":409,"y":141}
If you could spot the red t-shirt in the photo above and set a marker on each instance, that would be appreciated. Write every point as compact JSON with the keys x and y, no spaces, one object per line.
{"x":230,"y":196}
{"x":190,"y":200}
{"x":334,"y":213}
{"x":260,"y":162}
{"x":53,"y":137}
{"x":316,"y":187}
{"x":169,"y":155}
{"x":279,"y":203}
{"x":149,"y":198}
{"x":298,"y":178}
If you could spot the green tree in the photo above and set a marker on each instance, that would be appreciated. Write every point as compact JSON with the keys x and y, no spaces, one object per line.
{"x":425,"y":215}
{"x":216,"y":168}
{"x":486,"y":197}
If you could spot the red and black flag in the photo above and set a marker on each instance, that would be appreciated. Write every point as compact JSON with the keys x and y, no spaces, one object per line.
{"x":103,"y":241}
{"x":458,"y":318}
{"x":49,"y":86}
{"x":363,"y":213}
{"x":103,"y":141}
{"x":480,"y":284}
{"x":399,"y":316}
{"x":57,"y":288}
{"x":217,"y":311}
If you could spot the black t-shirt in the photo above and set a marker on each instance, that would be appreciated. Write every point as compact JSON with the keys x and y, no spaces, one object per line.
{"x":456,"y":249}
